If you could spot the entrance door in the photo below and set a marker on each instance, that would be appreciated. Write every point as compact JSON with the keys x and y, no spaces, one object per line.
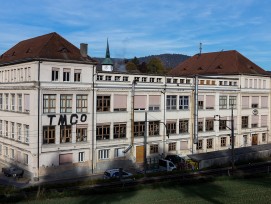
{"x":139,"y":154}
{"x":254,"y":139}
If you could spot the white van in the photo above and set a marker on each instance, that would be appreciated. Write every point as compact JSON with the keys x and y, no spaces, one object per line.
{"x":166,"y":165}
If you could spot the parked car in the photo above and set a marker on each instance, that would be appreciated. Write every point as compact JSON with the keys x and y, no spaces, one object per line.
{"x":166,"y":165}
{"x":115,"y":173}
{"x":13,"y":171}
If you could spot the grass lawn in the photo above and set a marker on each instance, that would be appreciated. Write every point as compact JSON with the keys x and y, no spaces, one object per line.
{"x":223,"y":190}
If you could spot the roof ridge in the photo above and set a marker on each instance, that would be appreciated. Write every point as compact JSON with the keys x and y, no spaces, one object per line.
{"x":46,"y":43}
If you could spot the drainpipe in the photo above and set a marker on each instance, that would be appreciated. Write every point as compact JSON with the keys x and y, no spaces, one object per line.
{"x":93,"y":117}
{"x":195,"y":139}
{"x":38,"y":154}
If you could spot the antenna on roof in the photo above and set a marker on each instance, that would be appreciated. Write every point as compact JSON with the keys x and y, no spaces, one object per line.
{"x":200,"y":47}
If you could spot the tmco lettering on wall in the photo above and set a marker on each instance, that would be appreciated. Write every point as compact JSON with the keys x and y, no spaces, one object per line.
{"x":73,"y":120}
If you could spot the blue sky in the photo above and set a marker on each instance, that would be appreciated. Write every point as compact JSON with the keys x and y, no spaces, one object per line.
{"x":142,"y":28}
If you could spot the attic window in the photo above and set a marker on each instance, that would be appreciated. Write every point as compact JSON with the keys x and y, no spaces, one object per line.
{"x":63,"y":49}
{"x":28,"y":50}
{"x":13,"y":54}
{"x":200,"y":68}
{"x":219,"y":67}
{"x":251,"y":67}
{"x":184,"y":68}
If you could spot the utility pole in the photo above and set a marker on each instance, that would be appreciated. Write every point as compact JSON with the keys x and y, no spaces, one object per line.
{"x":232,"y":137}
{"x":145,"y":144}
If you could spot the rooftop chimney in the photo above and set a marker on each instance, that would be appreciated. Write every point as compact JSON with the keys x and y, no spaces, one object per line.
{"x":84,"y":49}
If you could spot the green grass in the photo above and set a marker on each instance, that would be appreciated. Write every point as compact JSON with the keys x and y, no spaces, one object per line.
{"x":222,"y":190}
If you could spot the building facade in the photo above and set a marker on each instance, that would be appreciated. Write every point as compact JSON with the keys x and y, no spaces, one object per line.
{"x":59,"y":116}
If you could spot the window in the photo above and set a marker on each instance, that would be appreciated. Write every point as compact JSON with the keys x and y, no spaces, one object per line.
{"x":19,"y":131}
{"x":263,"y":137}
{"x":254,"y":121}
{"x":12,"y":154}
{"x":244,"y":121}
{"x":181,"y":81}
{"x":200,"y":102}
{"x":223,"y":141}
{"x":7,"y":102}
{"x":140,"y":102}
{"x":81,"y":134}
{"x":26,"y":102}
{"x":210,"y":102}
{"x":125,"y":78}
{"x":222,"y":124}
{"x":171,"y":127}
{"x":103,"y":154}
{"x":159,"y":80}
{"x":171,"y":102}
{"x":12,"y":102}
{"x":119,"y":152}
{"x":175,"y":81}
{"x":55,"y":74}
{"x":13,"y":130}
{"x":25,"y":159}
{"x":209,"y":124}
{"x":245,"y":102}
{"x":209,"y":143}
{"x":184,"y":102}
{"x":103,"y":132}
{"x":154,"y":103}
{"x":144,"y":79}
{"x":199,"y":145}
{"x":200,"y":125}
{"x":103,"y":103}
{"x":20,"y":102}
{"x":154,"y":149}
{"x":117,"y":78}
{"x":119,"y":130}
{"x":6,"y":151}
{"x":183,"y":126}
{"x":255,"y":102}
{"x":264,"y":102}
{"x":1,"y":101}
{"x":152,"y":79}
{"x":81,"y":103}
{"x":49,"y":103}
{"x":66,"y":103}
{"x":6,"y":133}
{"x":232,"y":101}
{"x":1,"y":149}
{"x":187,"y":81}
{"x":66,"y":74}
{"x":245,"y":140}
{"x":153,"y":128}
{"x":81,"y":156}
{"x":172,"y":146}
{"x":139,"y":128}
{"x":108,"y":78}
{"x":120,"y":102}
{"x":222,"y":102}
{"x":264,"y":120}
{"x":168,"y":80}
{"x":137,"y":78}
{"x":65,"y":134}
{"x":26,"y":133}
{"x":99,"y":77}
{"x":49,"y":134}
{"x":77,"y":75}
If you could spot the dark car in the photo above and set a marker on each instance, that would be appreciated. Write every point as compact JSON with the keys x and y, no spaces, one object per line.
{"x":177,"y":160}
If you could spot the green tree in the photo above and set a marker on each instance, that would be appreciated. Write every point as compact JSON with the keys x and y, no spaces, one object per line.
{"x":135,"y":61}
{"x":155,"y":66}
{"x":131,"y":67}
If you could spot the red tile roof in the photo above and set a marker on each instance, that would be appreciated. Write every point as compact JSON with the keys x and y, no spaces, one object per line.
{"x":51,"y":46}
{"x":217,"y":63}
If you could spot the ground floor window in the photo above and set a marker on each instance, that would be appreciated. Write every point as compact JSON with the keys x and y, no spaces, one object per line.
{"x":154,"y":149}
{"x":263,"y":137}
{"x":119,"y":152}
{"x":223,"y":141}
{"x":81,"y":156}
{"x":199,"y":145}
{"x":49,"y":134}
{"x":209,"y":143}
{"x":172,"y":146}
{"x":104,"y":154}
{"x":25,"y":159}
{"x":65,"y":134}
